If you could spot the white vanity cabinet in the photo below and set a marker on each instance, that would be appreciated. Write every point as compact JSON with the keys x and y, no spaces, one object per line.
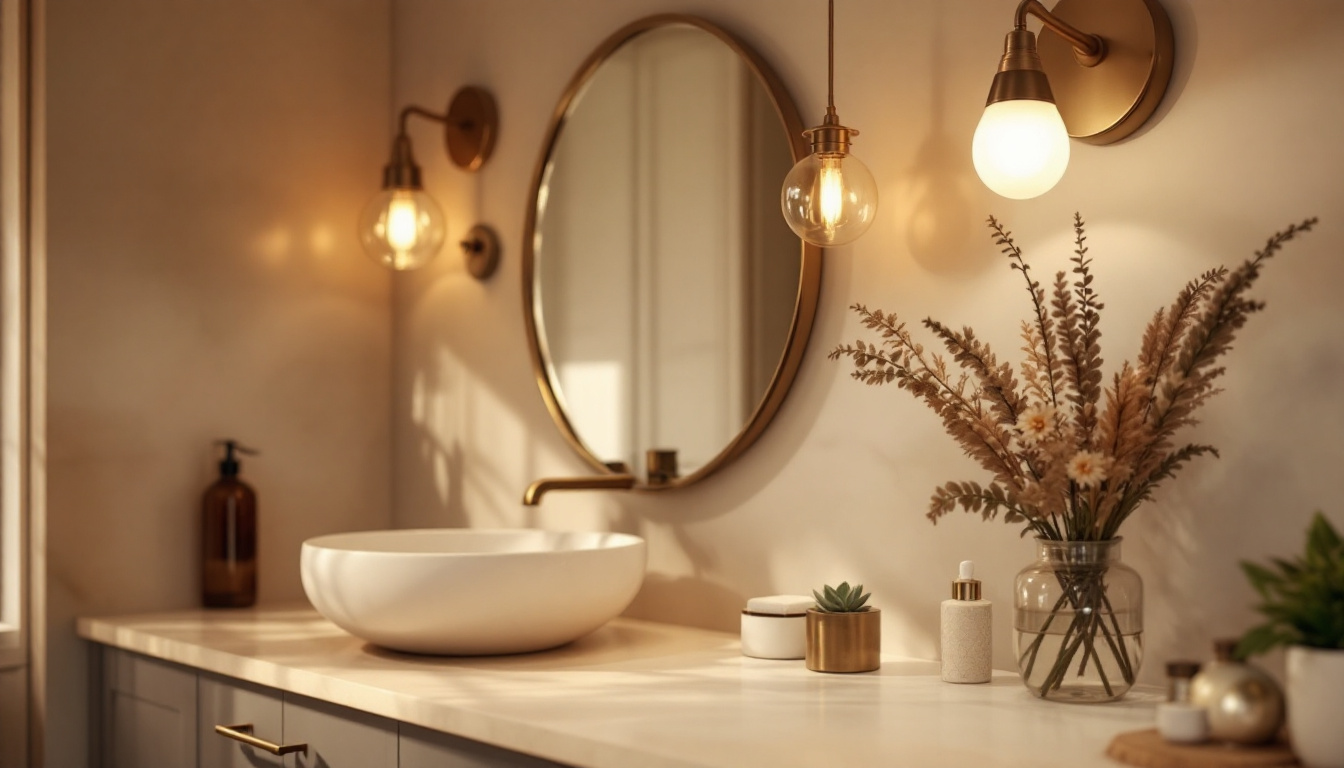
{"x":155,"y":713}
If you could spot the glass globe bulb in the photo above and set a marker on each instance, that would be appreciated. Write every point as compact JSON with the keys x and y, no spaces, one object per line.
{"x":402,"y":228}
{"x":1021,"y":147}
{"x":829,"y":198}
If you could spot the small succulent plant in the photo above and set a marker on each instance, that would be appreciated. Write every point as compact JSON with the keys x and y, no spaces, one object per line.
{"x":842,"y":599}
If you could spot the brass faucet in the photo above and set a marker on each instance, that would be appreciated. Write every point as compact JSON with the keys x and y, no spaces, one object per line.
{"x":623,"y":480}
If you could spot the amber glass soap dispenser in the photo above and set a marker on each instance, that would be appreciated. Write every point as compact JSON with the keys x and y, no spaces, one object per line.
{"x":229,"y":516}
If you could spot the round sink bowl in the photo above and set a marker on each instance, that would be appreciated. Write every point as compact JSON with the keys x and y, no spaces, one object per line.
{"x":465,"y":592}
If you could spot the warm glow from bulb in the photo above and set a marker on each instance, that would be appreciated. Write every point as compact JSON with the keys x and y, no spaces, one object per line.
{"x":402,"y":222}
{"x":1021,"y":148}
{"x":831,"y":191}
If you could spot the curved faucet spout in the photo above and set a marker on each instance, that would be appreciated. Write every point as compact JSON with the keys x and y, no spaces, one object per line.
{"x":532,"y":496}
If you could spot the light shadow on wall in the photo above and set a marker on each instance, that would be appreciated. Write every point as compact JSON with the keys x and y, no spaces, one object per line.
{"x":463,"y":432}
{"x":937,"y":191}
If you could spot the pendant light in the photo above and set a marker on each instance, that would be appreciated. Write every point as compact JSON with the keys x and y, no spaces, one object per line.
{"x":829,"y":198}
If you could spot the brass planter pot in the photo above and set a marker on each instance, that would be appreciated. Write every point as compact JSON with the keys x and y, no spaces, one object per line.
{"x":844,"y":642}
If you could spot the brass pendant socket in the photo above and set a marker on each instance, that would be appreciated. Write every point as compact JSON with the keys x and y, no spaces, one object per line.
{"x":830,"y":138}
{"x":401,"y":172}
{"x":844,"y":642}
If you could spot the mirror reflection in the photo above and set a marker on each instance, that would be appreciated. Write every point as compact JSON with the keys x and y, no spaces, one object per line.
{"x":665,"y":280}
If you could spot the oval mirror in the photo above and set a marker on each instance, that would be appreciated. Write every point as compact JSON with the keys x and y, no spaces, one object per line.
{"x":668,"y":303}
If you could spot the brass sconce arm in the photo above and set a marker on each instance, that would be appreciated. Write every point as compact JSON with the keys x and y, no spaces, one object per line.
{"x":1088,"y":49}
{"x":406,"y":113}
{"x":470,"y":125}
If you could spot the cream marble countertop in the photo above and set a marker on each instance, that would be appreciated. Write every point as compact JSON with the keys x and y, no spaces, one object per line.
{"x":638,"y":693}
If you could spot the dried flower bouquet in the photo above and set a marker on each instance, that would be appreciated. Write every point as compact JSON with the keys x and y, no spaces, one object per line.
{"x":1069,"y":458}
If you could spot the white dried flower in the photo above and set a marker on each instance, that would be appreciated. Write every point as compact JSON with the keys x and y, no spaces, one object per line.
{"x":1036,"y":423}
{"x":1088,"y":468}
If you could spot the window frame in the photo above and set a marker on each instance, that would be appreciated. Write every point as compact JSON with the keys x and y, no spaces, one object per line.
{"x":15,"y":332}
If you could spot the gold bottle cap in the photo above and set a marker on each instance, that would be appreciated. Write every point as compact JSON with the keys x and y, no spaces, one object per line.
{"x":966,"y":587}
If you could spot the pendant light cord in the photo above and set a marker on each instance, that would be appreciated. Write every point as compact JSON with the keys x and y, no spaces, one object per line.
{"x":830,"y":56}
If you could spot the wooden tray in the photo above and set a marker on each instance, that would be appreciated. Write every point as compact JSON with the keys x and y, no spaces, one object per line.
{"x":1149,"y":750}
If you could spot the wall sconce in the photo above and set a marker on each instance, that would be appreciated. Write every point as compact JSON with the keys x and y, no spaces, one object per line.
{"x":402,"y":227}
{"x":1109,"y":81}
{"x":829,"y":198}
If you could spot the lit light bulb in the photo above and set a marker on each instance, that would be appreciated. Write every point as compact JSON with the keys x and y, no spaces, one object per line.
{"x":1021,"y":147}
{"x":402,"y":218}
{"x":402,"y":228}
{"x":831,"y":191}
{"x":829,"y":198}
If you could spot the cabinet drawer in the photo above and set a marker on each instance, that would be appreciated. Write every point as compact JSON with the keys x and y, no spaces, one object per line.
{"x":232,"y":702}
{"x":338,"y":737}
{"x":423,"y":748}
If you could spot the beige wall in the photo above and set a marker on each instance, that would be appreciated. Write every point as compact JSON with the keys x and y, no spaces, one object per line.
{"x":1246,"y":142}
{"x":206,"y":162}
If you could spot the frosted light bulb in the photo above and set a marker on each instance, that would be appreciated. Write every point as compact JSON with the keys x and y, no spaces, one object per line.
{"x":1021,"y":148}
{"x":829,"y":198}
{"x":402,"y":228}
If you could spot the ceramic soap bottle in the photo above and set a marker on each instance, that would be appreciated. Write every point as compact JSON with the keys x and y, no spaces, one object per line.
{"x":229,"y":536}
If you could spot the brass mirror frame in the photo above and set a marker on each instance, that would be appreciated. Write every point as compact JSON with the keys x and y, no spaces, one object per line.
{"x":809,"y":278}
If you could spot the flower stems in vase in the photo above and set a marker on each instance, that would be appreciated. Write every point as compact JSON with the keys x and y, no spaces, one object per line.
{"x":1090,"y":609}
{"x":1097,"y":655}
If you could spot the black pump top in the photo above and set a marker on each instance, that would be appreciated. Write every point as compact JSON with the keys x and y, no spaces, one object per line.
{"x":229,"y":466}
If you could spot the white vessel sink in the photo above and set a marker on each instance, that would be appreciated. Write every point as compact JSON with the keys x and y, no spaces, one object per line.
{"x":466,"y":592}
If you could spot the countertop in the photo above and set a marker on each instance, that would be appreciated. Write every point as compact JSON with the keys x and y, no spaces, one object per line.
{"x":638,"y":693}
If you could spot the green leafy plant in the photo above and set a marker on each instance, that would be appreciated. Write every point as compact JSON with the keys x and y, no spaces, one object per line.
{"x":842,"y":599}
{"x":1303,"y":598}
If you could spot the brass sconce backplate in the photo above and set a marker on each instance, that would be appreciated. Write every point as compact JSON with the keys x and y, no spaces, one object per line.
{"x":1105,"y":103}
{"x":471,"y":126}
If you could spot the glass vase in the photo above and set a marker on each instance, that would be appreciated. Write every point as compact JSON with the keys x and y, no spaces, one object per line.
{"x":1078,"y":622}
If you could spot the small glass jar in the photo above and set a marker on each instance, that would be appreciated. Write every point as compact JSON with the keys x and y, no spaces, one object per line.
{"x":1178,"y":680}
{"x":1178,"y":720}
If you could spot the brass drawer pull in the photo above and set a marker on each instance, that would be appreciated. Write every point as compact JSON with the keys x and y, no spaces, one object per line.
{"x":243,"y":733}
